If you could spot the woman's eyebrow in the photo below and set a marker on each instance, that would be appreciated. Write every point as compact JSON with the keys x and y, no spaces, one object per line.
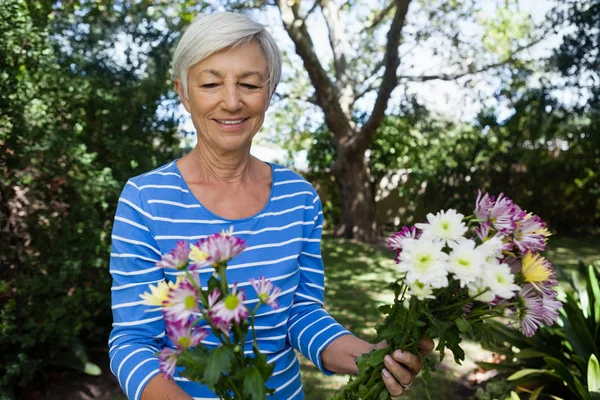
{"x":243,"y":75}
{"x":251,"y":73}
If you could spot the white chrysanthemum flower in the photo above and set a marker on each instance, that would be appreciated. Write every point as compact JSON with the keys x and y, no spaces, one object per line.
{"x":465,"y":261}
{"x":480,"y":292}
{"x":492,"y":250}
{"x":498,"y":280}
{"x":445,"y":225}
{"x":421,"y":290}
{"x":424,"y":261}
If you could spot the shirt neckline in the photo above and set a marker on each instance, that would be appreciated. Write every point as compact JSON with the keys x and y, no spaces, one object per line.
{"x":216,"y":216}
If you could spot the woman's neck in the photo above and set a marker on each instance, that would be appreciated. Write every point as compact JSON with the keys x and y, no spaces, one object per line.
{"x":207,"y":165}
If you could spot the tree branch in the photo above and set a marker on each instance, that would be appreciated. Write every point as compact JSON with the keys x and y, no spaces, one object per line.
{"x":470,"y":69}
{"x":390,"y":78}
{"x":312,"y":9}
{"x":341,"y":49}
{"x":380,"y":17}
{"x":326,"y":93}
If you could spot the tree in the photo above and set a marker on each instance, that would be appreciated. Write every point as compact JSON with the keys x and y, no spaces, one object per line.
{"x":366,"y":61}
{"x":77,"y":119}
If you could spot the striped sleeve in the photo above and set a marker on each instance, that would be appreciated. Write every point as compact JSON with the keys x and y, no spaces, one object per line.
{"x":137,"y":332}
{"x":310,"y":327}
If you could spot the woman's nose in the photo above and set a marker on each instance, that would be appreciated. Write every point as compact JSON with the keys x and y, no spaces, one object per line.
{"x":231,"y":97}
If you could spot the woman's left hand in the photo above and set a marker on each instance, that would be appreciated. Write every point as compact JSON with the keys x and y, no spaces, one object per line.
{"x":402,"y":367}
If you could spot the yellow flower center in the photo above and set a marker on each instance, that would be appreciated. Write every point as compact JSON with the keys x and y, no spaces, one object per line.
{"x":500,"y":278}
{"x":185,"y":342}
{"x":424,"y":262}
{"x":190,"y":302}
{"x":534,"y":269}
{"x":263,"y":297}
{"x":463,"y":262}
{"x":231,"y":302}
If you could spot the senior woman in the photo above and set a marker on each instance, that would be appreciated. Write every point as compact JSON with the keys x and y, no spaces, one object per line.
{"x":226,"y":69}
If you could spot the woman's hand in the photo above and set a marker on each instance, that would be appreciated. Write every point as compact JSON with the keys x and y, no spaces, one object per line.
{"x":401,"y":367}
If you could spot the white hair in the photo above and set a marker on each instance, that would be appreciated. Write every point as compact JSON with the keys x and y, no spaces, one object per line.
{"x":211,"y":33}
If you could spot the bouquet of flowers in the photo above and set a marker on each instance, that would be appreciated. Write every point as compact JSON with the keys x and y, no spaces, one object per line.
{"x":190,"y":310}
{"x":455,"y":273}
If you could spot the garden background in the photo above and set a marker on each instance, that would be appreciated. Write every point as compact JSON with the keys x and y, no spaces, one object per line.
{"x":392,"y":109}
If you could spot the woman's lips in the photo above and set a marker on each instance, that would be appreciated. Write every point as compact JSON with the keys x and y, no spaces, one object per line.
{"x":231,"y":124}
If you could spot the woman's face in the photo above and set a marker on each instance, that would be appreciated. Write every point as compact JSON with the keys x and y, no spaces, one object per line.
{"x":228,"y":94}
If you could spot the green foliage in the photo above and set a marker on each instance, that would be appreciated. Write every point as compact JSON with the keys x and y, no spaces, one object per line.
{"x":75,"y":122}
{"x":562,"y":359}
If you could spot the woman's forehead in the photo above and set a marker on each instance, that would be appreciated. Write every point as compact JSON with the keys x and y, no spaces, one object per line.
{"x":241,"y":61}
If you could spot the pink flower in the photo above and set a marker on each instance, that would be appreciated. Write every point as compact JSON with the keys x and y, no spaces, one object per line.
{"x":183,"y":334}
{"x":182,"y":301}
{"x":167,"y":361}
{"x":531,"y":310}
{"x":396,"y":240}
{"x":267,"y":293}
{"x":550,"y":307}
{"x":231,"y":307}
{"x":213,"y":297}
{"x":483,"y":230}
{"x":221,"y":248}
{"x":483,"y":205}
{"x":504,"y":215}
{"x":178,"y":259}
{"x":530,"y":234}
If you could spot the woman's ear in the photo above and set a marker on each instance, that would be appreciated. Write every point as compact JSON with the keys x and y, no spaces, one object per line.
{"x":182,"y":96}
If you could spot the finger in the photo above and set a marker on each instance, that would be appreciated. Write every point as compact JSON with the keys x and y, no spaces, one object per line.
{"x":403,"y":375}
{"x":426,"y":345}
{"x":391,"y":384}
{"x":412,"y":362}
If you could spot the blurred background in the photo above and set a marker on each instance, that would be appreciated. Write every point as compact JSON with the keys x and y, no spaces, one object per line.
{"x":406,"y":106}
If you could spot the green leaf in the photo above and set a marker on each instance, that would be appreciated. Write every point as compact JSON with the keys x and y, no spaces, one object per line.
{"x":218,"y":362}
{"x":573,"y":383}
{"x":463,"y":325}
{"x":536,"y":393}
{"x":254,"y":384}
{"x":595,"y":288}
{"x":92,"y":369}
{"x":593,"y":374}
{"x":514,"y":395}
{"x":526,"y":371}
{"x":595,"y":395}
{"x":530,"y":353}
{"x":375,"y":358}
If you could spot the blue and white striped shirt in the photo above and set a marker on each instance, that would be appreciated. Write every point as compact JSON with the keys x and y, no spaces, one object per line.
{"x":158,"y":209}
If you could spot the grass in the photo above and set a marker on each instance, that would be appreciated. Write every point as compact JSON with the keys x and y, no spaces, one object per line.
{"x":357,"y":276}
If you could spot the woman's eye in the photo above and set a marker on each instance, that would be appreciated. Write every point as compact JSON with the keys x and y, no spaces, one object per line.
{"x":249,"y":86}
{"x":209,"y":85}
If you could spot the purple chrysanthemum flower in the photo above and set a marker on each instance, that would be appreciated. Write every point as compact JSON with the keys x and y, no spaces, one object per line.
{"x":504,"y":215}
{"x":182,"y":301}
{"x":221,"y":248}
{"x":550,"y":306}
{"x":167,"y":361}
{"x":395,"y":241}
{"x":231,"y":307}
{"x":531,"y":312}
{"x":177,"y":259}
{"x":483,"y":205}
{"x":183,"y":334}
{"x":483,"y":230}
{"x":267,"y":293}
{"x":530,"y":234}
{"x":514,"y":264}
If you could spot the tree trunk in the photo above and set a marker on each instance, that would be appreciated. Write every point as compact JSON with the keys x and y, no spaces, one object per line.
{"x":358,"y":208}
